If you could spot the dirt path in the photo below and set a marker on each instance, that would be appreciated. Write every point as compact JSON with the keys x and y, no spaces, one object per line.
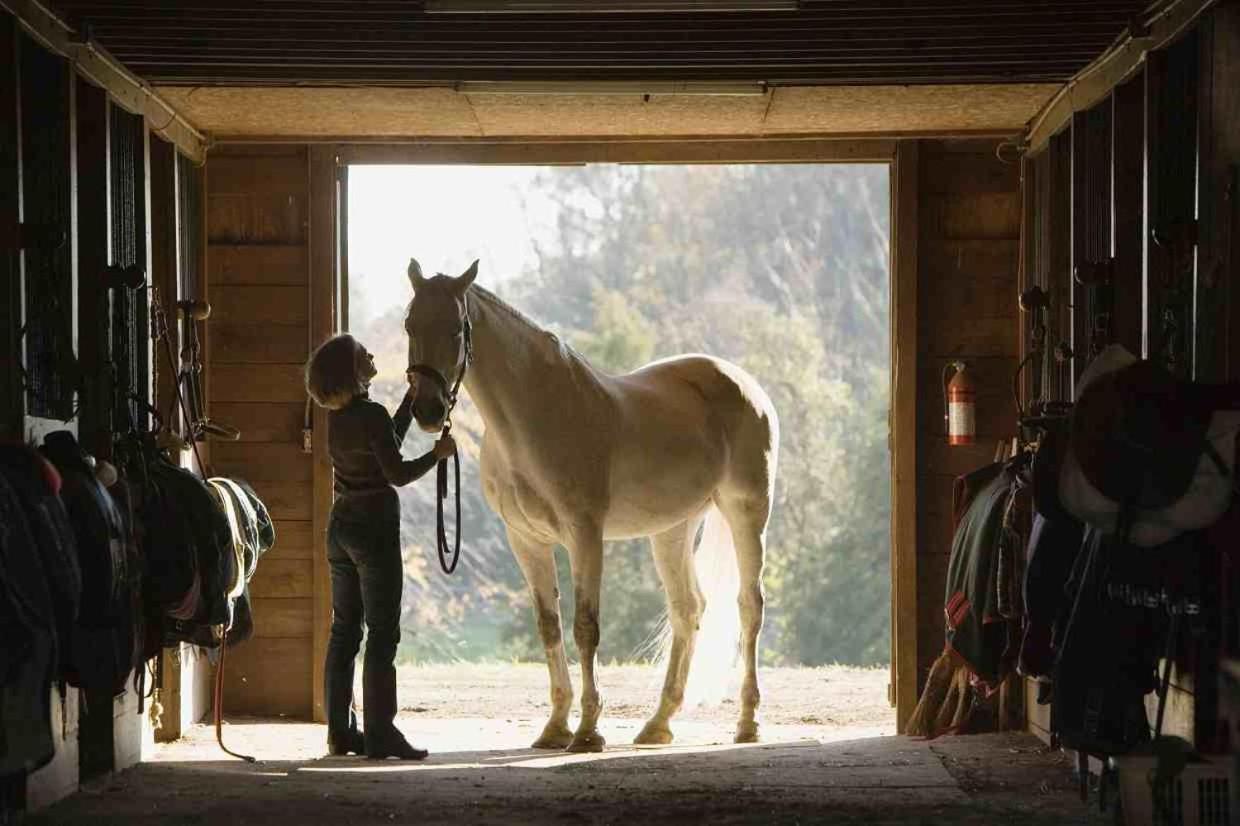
{"x":833,"y":696}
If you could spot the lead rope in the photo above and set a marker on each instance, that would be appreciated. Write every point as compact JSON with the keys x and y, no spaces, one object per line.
{"x":450,"y":553}
{"x":448,"y":561}
{"x":160,"y":322}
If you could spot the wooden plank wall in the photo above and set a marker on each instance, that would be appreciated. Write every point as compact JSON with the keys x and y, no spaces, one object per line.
{"x":968,"y":250}
{"x":257,"y":275}
{"x":12,"y":408}
{"x":1174,"y":157}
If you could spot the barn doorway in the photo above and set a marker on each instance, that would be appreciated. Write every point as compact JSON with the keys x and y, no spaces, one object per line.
{"x":782,"y":268}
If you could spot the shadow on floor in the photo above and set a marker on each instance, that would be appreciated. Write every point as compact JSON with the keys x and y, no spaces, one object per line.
{"x":873,"y":781}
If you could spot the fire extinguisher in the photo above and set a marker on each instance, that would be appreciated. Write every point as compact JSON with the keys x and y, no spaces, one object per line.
{"x":960,"y":402}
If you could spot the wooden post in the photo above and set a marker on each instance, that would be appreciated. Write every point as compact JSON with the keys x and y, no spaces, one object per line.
{"x":903,"y":430}
{"x":94,"y":248}
{"x":12,"y":410}
{"x":324,"y":322}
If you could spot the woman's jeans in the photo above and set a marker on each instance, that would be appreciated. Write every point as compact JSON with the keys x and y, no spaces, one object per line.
{"x":363,"y":551}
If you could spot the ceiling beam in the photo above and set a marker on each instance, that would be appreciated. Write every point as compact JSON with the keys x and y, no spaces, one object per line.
{"x":94,"y":63}
{"x":1098,"y":79}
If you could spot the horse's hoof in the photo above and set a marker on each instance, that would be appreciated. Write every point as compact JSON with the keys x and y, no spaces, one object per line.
{"x":747,"y":733}
{"x":654,"y":734}
{"x":554,"y":737}
{"x":590,"y":741}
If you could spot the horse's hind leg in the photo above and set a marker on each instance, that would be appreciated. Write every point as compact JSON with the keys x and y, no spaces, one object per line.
{"x":673,"y":558}
{"x":537,"y":561}
{"x":747,"y":517}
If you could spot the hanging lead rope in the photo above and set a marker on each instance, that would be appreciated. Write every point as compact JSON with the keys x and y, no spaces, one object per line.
{"x":447,"y":561}
{"x":449,"y":552}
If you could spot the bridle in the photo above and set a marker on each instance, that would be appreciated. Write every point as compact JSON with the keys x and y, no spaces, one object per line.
{"x":449,"y":555}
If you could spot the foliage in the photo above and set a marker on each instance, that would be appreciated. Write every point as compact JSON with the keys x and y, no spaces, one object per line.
{"x":782,"y":269}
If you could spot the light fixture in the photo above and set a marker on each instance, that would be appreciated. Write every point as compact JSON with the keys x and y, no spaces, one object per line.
{"x":608,"y":87}
{"x":602,"y":6}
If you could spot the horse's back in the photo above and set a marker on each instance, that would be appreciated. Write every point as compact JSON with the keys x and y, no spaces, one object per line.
{"x":726,"y":389}
{"x":688,"y":429}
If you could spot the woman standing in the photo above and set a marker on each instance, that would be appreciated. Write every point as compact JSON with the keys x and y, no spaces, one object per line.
{"x":363,"y":545}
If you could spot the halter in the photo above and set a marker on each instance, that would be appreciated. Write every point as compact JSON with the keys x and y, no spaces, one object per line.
{"x":449,"y":555}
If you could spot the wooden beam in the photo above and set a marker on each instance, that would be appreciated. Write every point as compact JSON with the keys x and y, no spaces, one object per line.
{"x":1095,"y":81}
{"x":94,"y":254}
{"x":12,"y":410}
{"x":903,"y":430}
{"x":543,"y":152}
{"x":92,"y":61}
{"x":324,"y":322}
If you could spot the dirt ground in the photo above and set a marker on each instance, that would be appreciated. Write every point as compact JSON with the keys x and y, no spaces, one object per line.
{"x":829,"y":755}
{"x":832,"y":696}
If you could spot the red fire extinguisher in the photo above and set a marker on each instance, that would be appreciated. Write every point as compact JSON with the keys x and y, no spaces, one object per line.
{"x":961,"y":405}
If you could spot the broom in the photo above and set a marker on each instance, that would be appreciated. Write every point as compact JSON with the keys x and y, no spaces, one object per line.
{"x":945,"y":700}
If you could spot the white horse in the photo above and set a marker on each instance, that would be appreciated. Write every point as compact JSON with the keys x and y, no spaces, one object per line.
{"x":572,"y":456}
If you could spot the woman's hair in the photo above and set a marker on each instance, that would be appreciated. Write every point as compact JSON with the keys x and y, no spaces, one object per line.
{"x":331,"y":373}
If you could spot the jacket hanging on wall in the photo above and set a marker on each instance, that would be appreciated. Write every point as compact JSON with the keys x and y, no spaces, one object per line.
{"x":978,"y":629}
{"x":37,"y":485}
{"x":28,"y":656}
{"x":102,"y":645}
{"x":1107,"y":653}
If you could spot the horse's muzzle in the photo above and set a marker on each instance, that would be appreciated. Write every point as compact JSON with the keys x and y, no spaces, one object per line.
{"x":430,"y":415}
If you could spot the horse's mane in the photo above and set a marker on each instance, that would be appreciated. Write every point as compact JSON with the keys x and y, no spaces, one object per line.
{"x":489,"y":299}
{"x":492,"y":300}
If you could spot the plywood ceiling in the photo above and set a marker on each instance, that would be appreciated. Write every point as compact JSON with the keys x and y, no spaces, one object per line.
{"x":250,"y":113}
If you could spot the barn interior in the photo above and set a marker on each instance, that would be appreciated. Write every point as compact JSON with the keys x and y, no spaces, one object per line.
{"x":1063,"y":181}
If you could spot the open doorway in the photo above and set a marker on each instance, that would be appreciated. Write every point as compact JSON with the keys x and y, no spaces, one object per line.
{"x":783,"y":269}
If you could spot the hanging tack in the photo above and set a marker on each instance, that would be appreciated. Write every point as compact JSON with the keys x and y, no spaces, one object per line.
{"x":105,"y":472}
{"x":157,"y":711}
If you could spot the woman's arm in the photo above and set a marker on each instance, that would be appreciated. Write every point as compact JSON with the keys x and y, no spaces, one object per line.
{"x":403,"y":418}
{"x":385,"y":442}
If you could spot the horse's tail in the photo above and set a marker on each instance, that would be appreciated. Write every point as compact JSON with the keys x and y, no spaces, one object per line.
{"x":715,"y":655}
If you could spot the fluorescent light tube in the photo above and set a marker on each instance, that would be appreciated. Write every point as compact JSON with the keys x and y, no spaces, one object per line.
{"x":601,"y":6}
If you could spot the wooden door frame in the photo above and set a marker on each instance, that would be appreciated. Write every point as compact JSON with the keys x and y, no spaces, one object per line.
{"x":329,"y":286}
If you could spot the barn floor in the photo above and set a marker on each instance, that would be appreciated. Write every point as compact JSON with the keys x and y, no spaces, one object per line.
{"x":481,"y":771}
{"x":879,"y":780}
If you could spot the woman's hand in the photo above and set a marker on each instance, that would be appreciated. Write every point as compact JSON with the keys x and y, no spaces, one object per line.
{"x":444,"y":448}
{"x":412,"y":378}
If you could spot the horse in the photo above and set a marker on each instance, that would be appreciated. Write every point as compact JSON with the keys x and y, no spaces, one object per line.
{"x":573,"y":456}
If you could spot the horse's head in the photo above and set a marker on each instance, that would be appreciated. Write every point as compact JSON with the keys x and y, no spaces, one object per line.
{"x":438,"y":328}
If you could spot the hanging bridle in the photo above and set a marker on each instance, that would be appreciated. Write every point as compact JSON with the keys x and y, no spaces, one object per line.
{"x":449,"y":556}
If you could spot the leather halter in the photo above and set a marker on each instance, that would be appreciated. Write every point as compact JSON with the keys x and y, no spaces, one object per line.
{"x":449,"y":553}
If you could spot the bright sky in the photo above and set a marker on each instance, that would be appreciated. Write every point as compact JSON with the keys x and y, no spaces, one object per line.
{"x":445,"y":216}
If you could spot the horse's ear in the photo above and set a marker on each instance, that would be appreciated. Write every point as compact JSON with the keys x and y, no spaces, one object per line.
{"x":461,"y":283}
{"x":416,"y":279}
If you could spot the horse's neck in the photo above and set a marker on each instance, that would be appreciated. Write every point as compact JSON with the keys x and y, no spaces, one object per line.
{"x":518,"y":366}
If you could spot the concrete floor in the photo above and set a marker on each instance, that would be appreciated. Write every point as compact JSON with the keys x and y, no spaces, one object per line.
{"x":480,"y":772}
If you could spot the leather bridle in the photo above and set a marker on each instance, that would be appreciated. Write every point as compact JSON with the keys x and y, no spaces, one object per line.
{"x":449,"y":553}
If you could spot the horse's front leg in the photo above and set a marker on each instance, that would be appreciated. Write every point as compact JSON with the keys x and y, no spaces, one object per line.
{"x":586,"y":557}
{"x":537,"y":562}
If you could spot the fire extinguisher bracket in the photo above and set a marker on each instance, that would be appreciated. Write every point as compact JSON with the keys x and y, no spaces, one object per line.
{"x":959,"y":405}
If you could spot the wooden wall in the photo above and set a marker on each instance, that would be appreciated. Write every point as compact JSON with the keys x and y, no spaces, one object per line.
{"x":1160,"y":151}
{"x":83,"y":179}
{"x":968,"y":245}
{"x":259,"y":339}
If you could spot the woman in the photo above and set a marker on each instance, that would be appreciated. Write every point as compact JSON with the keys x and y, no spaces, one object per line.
{"x":363,"y":545}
